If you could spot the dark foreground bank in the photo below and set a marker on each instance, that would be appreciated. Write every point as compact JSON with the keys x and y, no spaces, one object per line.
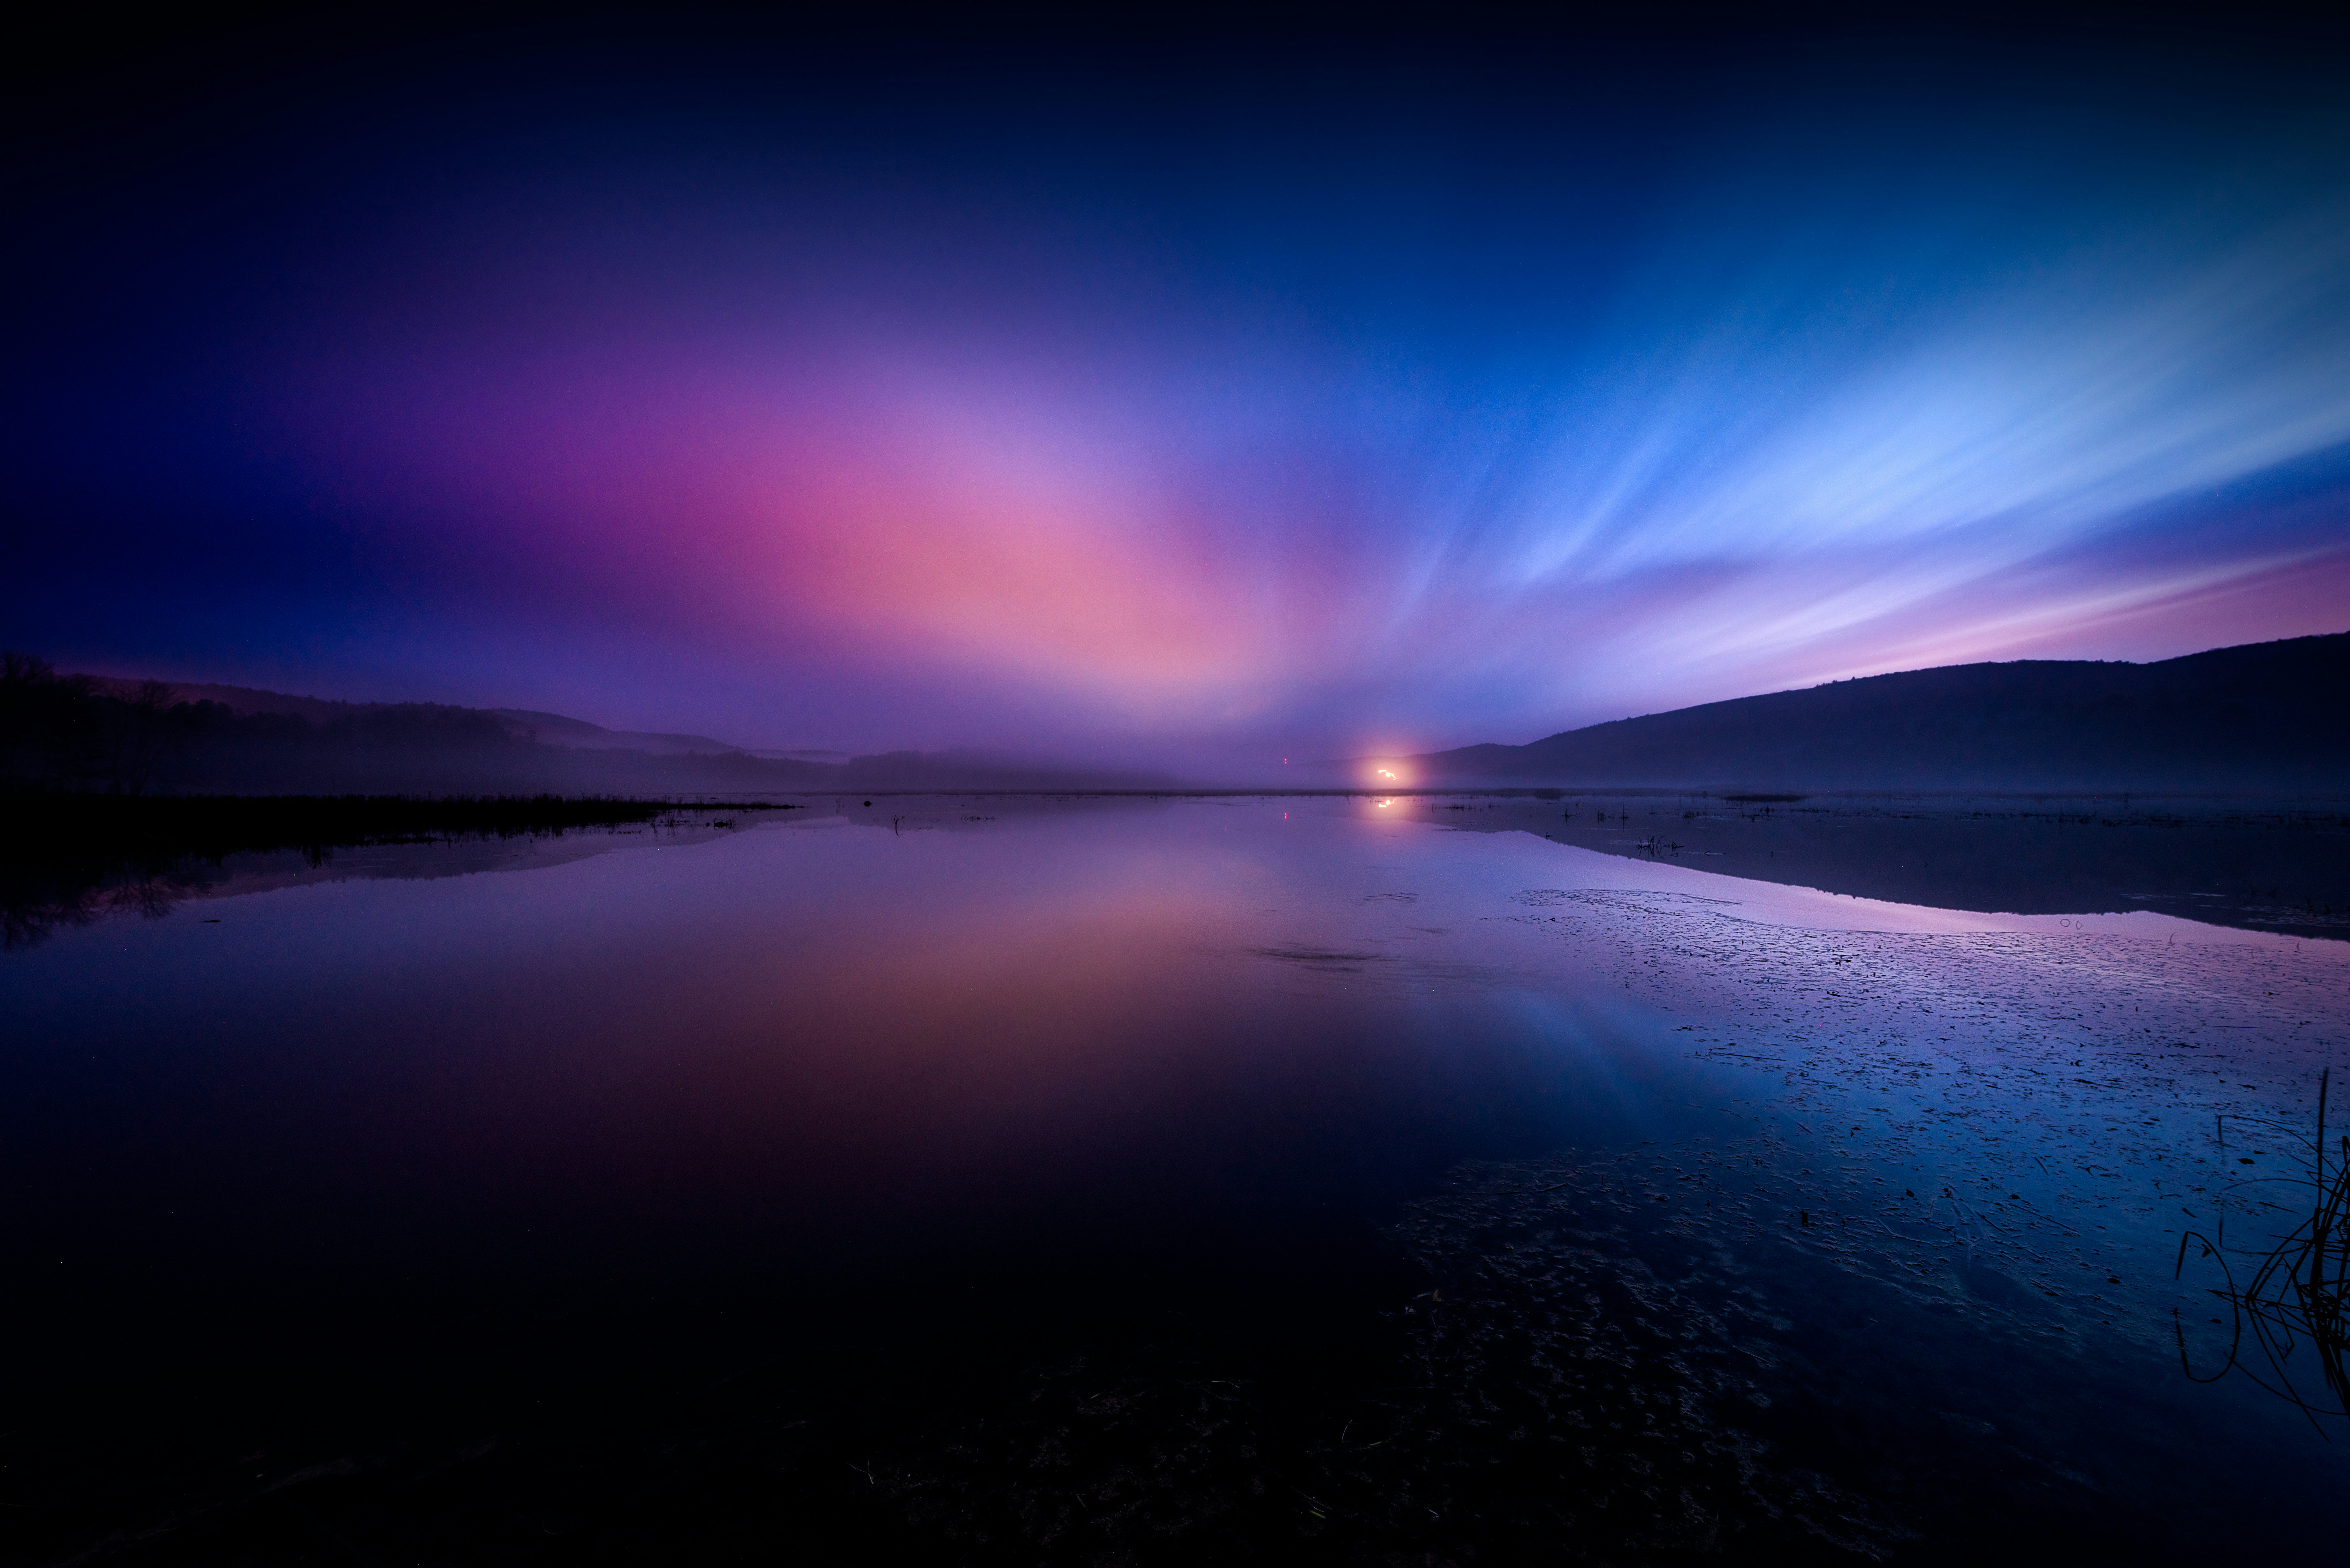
{"x":68,"y":858}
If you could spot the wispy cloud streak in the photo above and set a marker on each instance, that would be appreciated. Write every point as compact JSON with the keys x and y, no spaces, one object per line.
{"x":953,"y":427}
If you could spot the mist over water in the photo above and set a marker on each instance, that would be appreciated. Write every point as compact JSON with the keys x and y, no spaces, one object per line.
{"x":822,"y":1175}
{"x":631,"y":640}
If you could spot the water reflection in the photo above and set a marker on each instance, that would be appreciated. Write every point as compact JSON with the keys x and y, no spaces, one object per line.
{"x":72,"y":860}
{"x":2267,"y":865}
{"x":843,"y":1140}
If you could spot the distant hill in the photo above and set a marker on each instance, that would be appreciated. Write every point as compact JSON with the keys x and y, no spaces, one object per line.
{"x":243,"y":700}
{"x":555,"y":730}
{"x":103,"y":732}
{"x":546,"y":729}
{"x":2268,"y":715}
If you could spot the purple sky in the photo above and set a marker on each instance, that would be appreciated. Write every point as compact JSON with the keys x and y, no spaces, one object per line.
{"x":1239,"y":394}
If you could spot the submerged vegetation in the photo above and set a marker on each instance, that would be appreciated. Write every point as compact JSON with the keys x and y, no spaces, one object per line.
{"x":2296,"y":1290}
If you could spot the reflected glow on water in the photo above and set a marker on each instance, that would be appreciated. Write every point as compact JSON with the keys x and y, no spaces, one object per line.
{"x":914,"y":1097}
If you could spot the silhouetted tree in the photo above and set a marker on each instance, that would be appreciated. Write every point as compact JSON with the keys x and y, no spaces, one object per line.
{"x":50,"y":728}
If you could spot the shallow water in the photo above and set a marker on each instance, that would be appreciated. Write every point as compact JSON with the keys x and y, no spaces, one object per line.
{"x":1085,"y":1181}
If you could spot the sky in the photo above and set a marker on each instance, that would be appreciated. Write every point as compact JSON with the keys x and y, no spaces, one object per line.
{"x":1331,"y":382}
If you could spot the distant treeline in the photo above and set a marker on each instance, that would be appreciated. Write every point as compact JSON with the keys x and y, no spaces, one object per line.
{"x":63,"y":734}
{"x":72,"y":734}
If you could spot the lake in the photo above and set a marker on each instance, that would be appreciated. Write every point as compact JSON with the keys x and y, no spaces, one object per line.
{"x":1343,"y":1180}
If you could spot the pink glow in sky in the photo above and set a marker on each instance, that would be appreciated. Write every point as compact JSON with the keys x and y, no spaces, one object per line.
{"x":1178,"y":416}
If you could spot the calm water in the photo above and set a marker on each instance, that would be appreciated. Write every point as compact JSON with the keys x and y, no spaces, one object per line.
{"x":733,"y":1193}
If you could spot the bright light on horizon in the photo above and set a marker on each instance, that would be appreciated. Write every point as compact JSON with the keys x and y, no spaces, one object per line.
{"x":1146,"y":442}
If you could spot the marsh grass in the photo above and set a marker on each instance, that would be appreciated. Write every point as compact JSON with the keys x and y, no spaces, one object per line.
{"x":2293,"y":1291}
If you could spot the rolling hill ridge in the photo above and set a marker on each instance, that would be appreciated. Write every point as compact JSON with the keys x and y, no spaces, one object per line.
{"x":2268,"y":716}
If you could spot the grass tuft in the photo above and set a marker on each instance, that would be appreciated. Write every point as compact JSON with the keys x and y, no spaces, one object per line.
{"x":2294,"y":1292}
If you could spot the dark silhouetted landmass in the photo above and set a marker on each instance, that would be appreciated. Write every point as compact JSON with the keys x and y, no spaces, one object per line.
{"x":2262,"y":717}
{"x":81,"y":733}
{"x":70,"y":857}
